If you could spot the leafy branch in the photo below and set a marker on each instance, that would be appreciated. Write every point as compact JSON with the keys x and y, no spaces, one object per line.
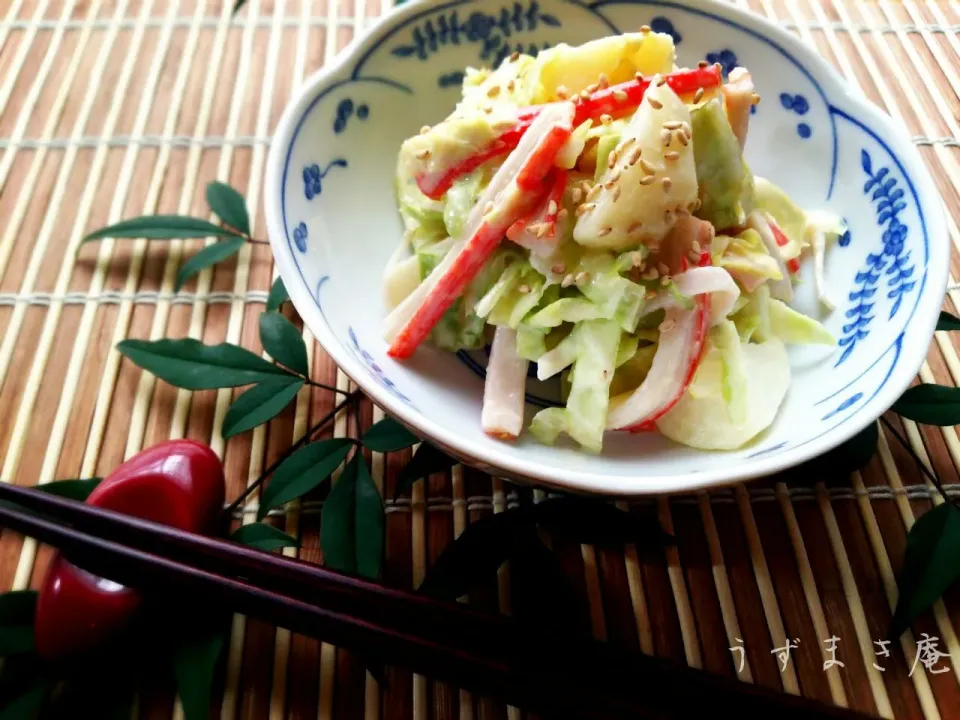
{"x":232,"y":232}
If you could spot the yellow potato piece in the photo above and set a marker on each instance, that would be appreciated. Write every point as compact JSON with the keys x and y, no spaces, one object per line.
{"x":619,"y":58}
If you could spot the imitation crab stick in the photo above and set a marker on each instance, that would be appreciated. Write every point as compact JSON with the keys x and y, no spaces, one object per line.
{"x":782,"y":240}
{"x":537,"y":232}
{"x":503,"y":390}
{"x":513,"y":190}
{"x":682,"y":337}
{"x":615,"y":101}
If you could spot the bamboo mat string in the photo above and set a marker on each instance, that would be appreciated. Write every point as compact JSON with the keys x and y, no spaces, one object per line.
{"x":503,"y":576}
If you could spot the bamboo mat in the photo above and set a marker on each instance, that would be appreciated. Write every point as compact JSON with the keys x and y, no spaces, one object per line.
{"x":114,"y":108}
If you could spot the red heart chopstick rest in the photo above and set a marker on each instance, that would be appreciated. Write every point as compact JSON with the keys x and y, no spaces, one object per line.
{"x":178,"y":483}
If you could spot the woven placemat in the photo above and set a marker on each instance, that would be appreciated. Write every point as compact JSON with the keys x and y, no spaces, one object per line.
{"x":115,"y":108}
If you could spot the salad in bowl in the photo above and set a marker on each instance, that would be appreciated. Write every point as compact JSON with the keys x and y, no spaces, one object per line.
{"x":589,"y":214}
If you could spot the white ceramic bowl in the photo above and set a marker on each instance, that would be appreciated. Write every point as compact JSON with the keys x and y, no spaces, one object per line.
{"x":333,"y":224}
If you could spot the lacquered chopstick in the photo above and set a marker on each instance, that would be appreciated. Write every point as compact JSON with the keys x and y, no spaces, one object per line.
{"x":530,"y":669}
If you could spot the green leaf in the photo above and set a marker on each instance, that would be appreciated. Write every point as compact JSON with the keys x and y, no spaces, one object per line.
{"x":930,"y":564}
{"x":948,"y":321}
{"x":28,"y":703}
{"x":479,"y":550}
{"x":161,"y":227}
{"x":930,"y":404}
{"x":263,"y":537}
{"x":284,"y":342}
{"x":71,"y":489}
{"x":302,"y":472}
{"x":426,"y":461}
{"x":229,"y":205}
{"x":278,"y":295}
{"x":259,"y":404}
{"x":848,"y":457}
{"x":190,"y":364}
{"x":17,"y":610}
{"x":15,"y":639}
{"x":369,"y":521}
{"x":210,"y":255}
{"x":596,"y":522}
{"x":194,"y":665}
{"x":388,"y":435}
{"x":352,"y":522}
{"x":17,"y":607}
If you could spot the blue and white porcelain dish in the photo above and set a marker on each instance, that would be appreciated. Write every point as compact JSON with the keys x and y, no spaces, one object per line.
{"x":333,"y":225}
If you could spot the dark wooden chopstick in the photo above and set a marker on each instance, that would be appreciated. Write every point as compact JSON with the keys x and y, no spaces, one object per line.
{"x":551,"y":673}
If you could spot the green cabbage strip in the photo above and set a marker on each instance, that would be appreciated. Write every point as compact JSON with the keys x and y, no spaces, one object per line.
{"x":585,"y":415}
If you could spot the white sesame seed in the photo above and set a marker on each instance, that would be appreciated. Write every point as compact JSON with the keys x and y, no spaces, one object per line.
{"x":552,"y":207}
{"x":611,"y":160}
{"x":561,"y":214}
{"x":606,"y":119}
{"x":592,"y":87}
{"x":514,"y":57}
{"x":702,"y":64}
{"x":647,"y":180}
{"x":663,"y":268}
{"x":671,"y":156}
{"x":493,"y":91}
{"x":651,"y":274}
{"x":695,"y":246}
{"x":511,"y":85}
{"x":655,"y":104}
{"x":665,"y":137}
{"x":619,"y":95}
{"x":682,"y":137}
{"x":667,"y":184}
{"x":558,"y":269}
{"x":582,"y":277}
{"x":425,"y":129}
{"x":562,"y":92}
{"x":755,"y":99}
{"x":523,"y":289}
{"x":584,"y":95}
{"x":673,"y":125}
{"x":576,"y":195}
{"x":616,"y":193}
{"x":609,"y":185}
{"x":585,"y":208}
{"x":634,"y":227}
{"x":644,"y":29}
{"x":636,"y":257}
{"x":664,"y":281}
{"x":567,"y":281}
{"x":602,"y":81}
{"x":698,"y":95}
{"x":488,"y":208}
{"x":635,"y":155}
{"x":592,"y":195}
{"x":647,"y":167}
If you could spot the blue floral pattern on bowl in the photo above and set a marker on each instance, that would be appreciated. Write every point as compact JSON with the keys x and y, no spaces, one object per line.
{"x":893,"y":260}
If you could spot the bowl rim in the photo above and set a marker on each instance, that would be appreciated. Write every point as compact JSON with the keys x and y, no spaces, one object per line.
{"x":583,"y":481}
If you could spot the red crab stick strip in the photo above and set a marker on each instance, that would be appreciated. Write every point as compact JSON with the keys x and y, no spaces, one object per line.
{"x":794,"y":264}
{"x":514,"y":189}
{"x":537,"y":232}
{"x":615,"y":101}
